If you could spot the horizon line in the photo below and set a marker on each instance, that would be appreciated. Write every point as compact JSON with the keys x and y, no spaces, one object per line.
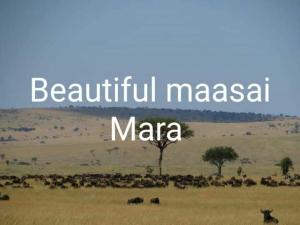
{"x":146,"y":107}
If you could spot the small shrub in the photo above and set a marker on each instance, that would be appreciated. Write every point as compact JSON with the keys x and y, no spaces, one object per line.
{"x":149,"y":170}
{"x":239,"y":171}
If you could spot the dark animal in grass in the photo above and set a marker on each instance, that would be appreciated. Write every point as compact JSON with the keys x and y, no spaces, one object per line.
{"x":249,"y":182}
{"x":136,"y":200}
{"x":4,"y":197}
{"x":179,"y":185}
{"x":268,"y":219}
{"x":154,"y":201}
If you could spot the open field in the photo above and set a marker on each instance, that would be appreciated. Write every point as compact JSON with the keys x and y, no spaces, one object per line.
{"x":70,"y":143}
{"x":209,"y":206}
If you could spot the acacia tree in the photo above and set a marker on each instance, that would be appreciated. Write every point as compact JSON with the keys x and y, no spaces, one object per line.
{"x":219,"y":155}
{"x":163,"y":142}
{"x":286,"y":164}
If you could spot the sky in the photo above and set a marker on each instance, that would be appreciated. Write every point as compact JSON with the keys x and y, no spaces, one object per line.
{"x":177,"y":41}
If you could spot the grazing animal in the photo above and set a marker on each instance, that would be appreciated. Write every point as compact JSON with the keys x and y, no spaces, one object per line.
{"x":155,"y":201}
{"x":137,"y":200}
{"x":268,"y":219}
{"x":4,"y":197}
{"x":179,"y":185}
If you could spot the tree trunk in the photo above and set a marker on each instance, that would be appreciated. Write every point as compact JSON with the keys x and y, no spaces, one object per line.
{"x":160,"y":161}
{"x":219,"y":170}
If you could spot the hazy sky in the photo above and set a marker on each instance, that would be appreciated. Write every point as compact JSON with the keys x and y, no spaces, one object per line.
{"x":178,"y":41}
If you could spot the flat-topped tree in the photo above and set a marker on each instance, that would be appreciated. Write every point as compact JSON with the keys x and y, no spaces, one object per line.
{"x":219,"y":155}
{"x":163,"y":133}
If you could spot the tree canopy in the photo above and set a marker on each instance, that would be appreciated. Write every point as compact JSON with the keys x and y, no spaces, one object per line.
{"x":286,"y":164}
{"x":163,"y":142}
{"x":219,"y":155}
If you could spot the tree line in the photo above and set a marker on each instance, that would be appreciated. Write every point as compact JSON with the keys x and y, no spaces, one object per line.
{"x":187,"y":115}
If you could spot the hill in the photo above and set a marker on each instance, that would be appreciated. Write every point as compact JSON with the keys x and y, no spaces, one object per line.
{"x":187,"y":115}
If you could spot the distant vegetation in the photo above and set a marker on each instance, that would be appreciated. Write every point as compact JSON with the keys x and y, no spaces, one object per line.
{"x":18,"y":129}
{"x":187,"y":115}
{"x":9,"y":138}
{"x":296,"y":128}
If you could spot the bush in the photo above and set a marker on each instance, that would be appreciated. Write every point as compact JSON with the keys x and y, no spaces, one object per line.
{"x":286,"y":164}
{"x":149,"y":170}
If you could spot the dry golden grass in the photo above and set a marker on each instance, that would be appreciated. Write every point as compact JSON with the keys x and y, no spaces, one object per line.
{"x":209,"y":206}
{"x":66,"y":149}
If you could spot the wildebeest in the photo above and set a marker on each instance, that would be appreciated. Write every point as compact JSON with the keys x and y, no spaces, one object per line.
{"x":249,"y":182}
{"x":268,"y":219}
{"x":154,"y":201}
{"x":4,"y":197}
{"x":136,"y":200}
{"x":179,"y":185}
{"x":268,"y":181}
{"x":118,"y":180}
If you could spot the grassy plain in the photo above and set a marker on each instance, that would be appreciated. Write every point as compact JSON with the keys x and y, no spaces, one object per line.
{"x":208,"y":206}
{"x":69,"y":143}
{"x":72,"y":142}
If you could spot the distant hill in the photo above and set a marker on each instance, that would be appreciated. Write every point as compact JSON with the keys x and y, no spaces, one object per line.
{"x":180,"y":114}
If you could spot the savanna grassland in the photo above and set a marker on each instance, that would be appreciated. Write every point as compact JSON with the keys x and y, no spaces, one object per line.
{"x":209,"y":206}
{"x":68,"y":143}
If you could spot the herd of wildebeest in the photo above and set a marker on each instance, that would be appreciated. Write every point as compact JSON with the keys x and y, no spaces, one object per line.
{"x":118,"y":180}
